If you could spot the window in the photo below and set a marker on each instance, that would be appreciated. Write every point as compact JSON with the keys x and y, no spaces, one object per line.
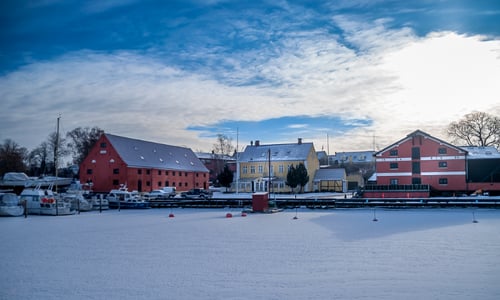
{"x":197,"y":174}
{"x":103,"y":145}
{"x":393,"y":152}
{"x":415,"y":153}
{"x":252,"y":169}
{"x":245,"y":169}
{"x":415,"y":167}
{"x":443,"y":181}
{"x":89,"y":171}
{"x":173,"y":173}
{"x":416,"y":180}
{"x":394,"y":181}
{"x":166,"y":173}
{"x":148,"y":172}
{"x":148,"y":183}
{"x":139,"y":171}
{"x":281,"y":169}
{"x":261,"y":169}
{"x":443,"y":164}
{"x":394,"y":165}
{"x":185,"y":174}
{"x":159,"y":172}
{"x":442,"y":150}
{"x":173,"y":183}
{"x":116,"y":171}
{"x":166,"y":183}
{"x":159,"y":183}
{"x":116,"y":182}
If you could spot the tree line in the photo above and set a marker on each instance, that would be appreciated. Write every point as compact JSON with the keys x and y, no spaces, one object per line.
{"x":43,"y":160}
{"x":474,"y":129}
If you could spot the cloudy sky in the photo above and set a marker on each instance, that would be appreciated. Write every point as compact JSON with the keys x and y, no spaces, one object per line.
{"x":363,"y":73}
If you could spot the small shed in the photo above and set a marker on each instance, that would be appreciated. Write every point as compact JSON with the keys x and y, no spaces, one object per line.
{"x":260,"y":202}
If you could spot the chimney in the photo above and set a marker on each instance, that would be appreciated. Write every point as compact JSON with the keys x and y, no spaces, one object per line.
{"x":257,"y":143}
{"x":251,"y":143}
{"x":299,"y":141}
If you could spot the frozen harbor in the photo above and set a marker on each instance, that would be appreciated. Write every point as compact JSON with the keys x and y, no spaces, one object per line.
{"x":201,"y":254}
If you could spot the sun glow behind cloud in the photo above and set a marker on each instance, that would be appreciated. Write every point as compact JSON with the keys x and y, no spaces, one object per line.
{"x":355,"y":80}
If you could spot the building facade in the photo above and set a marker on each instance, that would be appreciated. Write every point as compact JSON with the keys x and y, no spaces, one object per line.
{"x":215,"y":164}
{"x":264,"y":168}
{"x":420,"y":159}
{"x":141,"y":165}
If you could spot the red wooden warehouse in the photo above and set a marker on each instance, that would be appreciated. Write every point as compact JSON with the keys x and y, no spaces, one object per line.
{"x":141,"y":165}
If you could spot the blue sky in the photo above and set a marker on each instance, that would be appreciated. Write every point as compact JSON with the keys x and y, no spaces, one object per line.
{"x":181,"y":72}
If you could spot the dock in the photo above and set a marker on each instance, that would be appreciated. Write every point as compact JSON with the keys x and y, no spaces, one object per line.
{"x":332,"y":203}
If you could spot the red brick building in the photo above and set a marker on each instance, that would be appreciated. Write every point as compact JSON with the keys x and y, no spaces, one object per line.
{"x":141,"y":165}
{"x":419,"y":162}
{"x":215,"y":164}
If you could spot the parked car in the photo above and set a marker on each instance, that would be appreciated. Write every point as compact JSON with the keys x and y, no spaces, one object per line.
{"x":170,"y":190}
{"x":197,"y":194}
{"x":158,"y":195}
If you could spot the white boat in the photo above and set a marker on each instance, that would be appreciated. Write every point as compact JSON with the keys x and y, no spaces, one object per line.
{"x":78,"y":197}
{"x":122,"y":198}
{"x":76,"y":201}
{"x":99,"y":203}
{"x":10,"y":206}
{"x":85,"y":190}
{"x":44,"y":202}
{"x":19,"y":179}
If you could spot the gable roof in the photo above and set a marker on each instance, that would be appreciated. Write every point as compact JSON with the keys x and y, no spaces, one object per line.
{"x":416,"y":133}
{"x":144,"y":154}
{"x":279,"y":152}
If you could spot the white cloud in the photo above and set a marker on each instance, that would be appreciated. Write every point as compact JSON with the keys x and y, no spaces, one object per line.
{"x":400,"y":81}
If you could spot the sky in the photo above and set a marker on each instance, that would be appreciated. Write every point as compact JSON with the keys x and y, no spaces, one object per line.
{"x":347,"y":75}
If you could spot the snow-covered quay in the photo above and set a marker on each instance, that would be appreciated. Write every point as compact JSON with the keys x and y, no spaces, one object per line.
{"x":201,"y":254}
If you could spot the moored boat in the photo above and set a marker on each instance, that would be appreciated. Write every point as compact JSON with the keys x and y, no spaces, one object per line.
{"x":122,"y":198}
{"x":10,"y":206}
{"x":44,"y":202}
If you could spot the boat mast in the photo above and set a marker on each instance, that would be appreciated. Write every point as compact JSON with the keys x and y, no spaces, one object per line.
{"x":55,"y":160}
{"x":269,"y":181}
{"x":237,"y":161}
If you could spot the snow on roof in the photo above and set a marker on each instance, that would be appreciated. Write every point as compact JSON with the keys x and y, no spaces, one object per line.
{"x":279,"y":152}
{"x":330,"y":174}
{"x":475,"y":152}
{"x":139,"y":153}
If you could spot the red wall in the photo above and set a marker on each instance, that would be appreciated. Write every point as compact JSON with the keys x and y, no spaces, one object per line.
{"x":103,"y":162}
{"x":430,"y":171}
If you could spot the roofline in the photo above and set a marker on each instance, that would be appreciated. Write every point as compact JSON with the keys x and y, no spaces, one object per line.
{"x":416,"y":132}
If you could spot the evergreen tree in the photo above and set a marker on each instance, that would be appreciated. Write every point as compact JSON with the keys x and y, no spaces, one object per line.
{"x":291,"y":178}
{"x":225,"y":178}
{"x":302,"y":176}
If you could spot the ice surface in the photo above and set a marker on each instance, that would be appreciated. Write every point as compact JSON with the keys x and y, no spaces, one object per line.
{"x":201,"y":254}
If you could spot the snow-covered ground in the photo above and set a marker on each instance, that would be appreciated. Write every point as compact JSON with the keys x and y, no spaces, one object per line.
{"x":201,"y":254}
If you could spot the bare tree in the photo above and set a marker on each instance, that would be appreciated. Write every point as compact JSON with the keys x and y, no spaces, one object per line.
{"x":12,"y":157}
{"x":476,"y":129}
{"x":38,"y":159}
{"x":81,"y":141}
{"x":224,"y":145}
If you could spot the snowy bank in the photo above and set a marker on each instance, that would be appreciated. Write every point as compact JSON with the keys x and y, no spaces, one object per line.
{"x":201,"y":254}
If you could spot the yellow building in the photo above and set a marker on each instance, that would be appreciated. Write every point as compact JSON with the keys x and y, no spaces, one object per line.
{"x":263,"y":168}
